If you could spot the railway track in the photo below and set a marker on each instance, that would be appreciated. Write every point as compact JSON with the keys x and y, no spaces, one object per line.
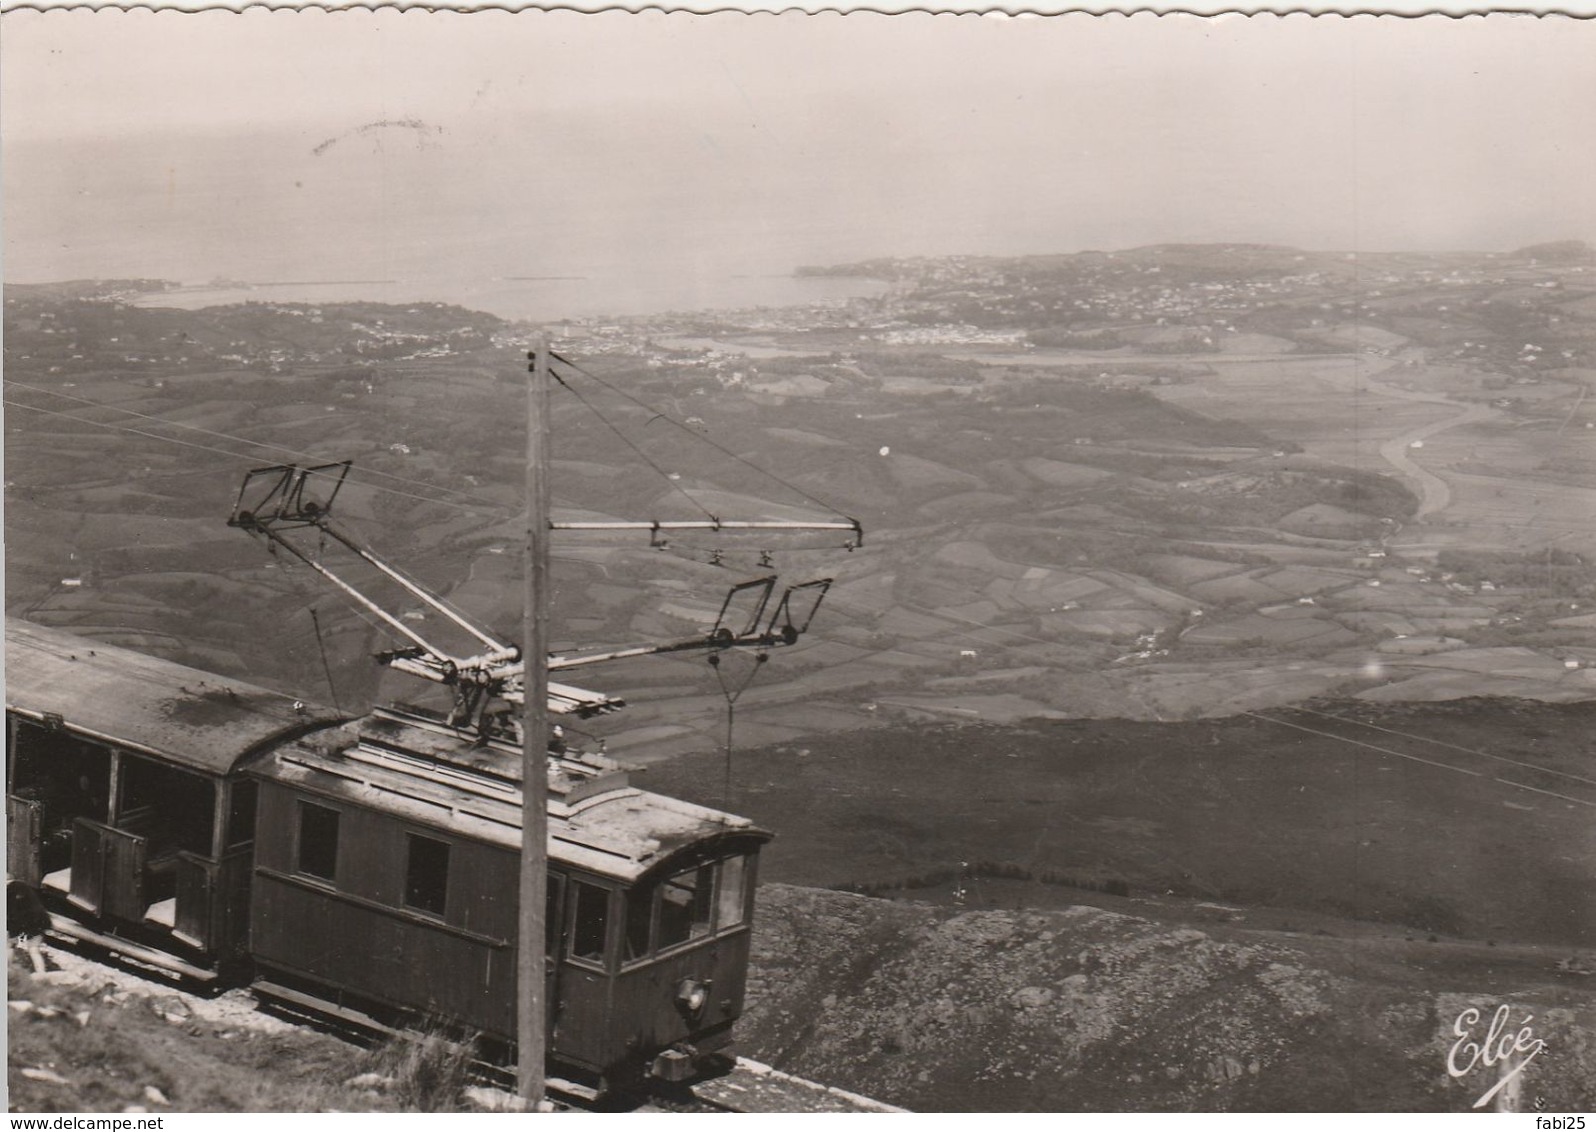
{"x":752,"y":1086}
{"x":746,"y":1085}
{"x":1526,"y":781}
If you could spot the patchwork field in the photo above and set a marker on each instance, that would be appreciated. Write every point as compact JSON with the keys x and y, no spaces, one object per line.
{"x":1171,"y":535}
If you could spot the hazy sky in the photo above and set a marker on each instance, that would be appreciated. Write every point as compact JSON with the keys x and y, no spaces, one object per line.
{"x":188,"y":146}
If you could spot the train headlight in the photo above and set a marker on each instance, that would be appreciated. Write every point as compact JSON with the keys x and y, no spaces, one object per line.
{"x":692,"y":995}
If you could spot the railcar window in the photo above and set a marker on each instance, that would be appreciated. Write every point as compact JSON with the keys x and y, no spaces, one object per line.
{"x":685,"y":903}
{"x":733,"y":892}
{"x":590,"y":920}
{"x":427,"y":875}
{"x":318,"y":841}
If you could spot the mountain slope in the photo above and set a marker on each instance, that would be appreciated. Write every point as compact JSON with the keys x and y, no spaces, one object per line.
{"x":1084,"y":1009}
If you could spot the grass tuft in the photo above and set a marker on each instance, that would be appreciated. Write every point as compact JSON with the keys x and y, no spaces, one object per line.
{"x":429,"y":1070}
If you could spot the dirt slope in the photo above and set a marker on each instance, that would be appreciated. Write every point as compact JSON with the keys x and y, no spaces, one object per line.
{"x":1088,"y":1009}
{"x":1469,"y":820}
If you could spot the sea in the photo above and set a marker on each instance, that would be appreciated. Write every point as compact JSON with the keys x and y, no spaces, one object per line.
{"x":546,"y":299}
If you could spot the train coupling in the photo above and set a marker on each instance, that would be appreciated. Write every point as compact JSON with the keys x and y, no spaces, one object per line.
{"x":679,"y":1063}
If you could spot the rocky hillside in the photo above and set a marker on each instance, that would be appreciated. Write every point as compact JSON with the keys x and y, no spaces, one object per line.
{"x":1088,"y":1009}
{"x":936,"y":1009}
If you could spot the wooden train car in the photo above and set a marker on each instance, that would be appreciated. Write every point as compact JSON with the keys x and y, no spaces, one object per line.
{"x":385,"y":872}
{"x":127,"y":813}
{"x":229,"y":832}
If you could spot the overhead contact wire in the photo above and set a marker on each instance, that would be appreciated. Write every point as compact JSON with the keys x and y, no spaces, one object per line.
{"x":700,"y":437}
{"x":365,"y":472}
{"x":1450,"y":746}
{"x":243,"y":458}
{"x":626,"y":440}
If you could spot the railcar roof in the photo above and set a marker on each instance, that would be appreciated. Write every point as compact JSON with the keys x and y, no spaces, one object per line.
{"x":180,"y":714}
{"x":598,"y":823}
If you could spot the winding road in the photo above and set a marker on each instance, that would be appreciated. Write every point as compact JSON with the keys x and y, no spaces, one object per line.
{"x":1434,"y":492}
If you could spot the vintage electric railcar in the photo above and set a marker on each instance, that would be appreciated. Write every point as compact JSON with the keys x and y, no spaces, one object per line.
{"x":365,"y":866}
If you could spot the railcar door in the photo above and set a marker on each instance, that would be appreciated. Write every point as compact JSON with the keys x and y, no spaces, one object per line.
{"x":212,"y":912}
{"x":174,"y":814}
{"x":53,"y":779}
{"x":25,"y":840}
{"x":582,"y":1034}
{"x":107,"y":870}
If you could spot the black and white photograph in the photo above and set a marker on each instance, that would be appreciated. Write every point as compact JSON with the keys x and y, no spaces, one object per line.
{"x":818,"y":563}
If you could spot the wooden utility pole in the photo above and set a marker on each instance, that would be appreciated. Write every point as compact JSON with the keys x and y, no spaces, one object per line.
{"x":531,"y":1009}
